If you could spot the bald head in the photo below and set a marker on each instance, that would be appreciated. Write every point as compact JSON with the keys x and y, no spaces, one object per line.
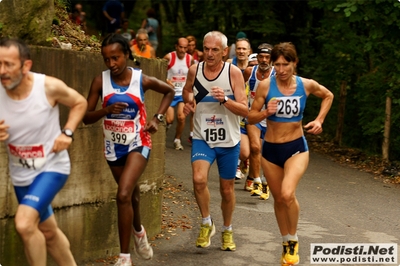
{"x":181,"y":47}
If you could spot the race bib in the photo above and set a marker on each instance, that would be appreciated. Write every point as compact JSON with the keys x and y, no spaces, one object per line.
{"x":179,"y":82}
{"x":119,"y":131}
{"x":213,"y":129}
{"x":27,"y":156}
{"x":288,"y":107}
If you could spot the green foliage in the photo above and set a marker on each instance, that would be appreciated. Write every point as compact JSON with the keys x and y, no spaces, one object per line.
{"x":344,"y":41}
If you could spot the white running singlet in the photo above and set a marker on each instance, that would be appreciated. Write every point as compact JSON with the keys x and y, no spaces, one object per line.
{"x":213,"y":122}
{"x":34,"y":126}
{"x":178,"y":70}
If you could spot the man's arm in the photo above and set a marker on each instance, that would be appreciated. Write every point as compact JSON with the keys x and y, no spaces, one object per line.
{"x":167,"y":56}
{"x":58,"y":92}
{"x":187,"y":92}
{"x":256,"y":114}
{"x":238,"y":106}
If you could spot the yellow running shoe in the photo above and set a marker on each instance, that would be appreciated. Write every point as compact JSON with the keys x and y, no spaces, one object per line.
{"x":292,"y":253}
{"x":285,"y":246}
{"x":206,"y":232}
{"x":257,"y":191}
{"x":265,"y":192}
{"x":227,"y":241}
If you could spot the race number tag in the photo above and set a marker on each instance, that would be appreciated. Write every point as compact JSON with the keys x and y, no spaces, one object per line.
{"x":179,"y":82}
{"x":288,"y":106}
{"x":27,"y":156}
{"x":213,"y":129}
{"x":119,"y":131}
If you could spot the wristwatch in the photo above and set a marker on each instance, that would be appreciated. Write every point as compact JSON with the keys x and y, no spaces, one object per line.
{"x":160,"y":117}
{"x":68,"y":132}
{"x":225,"y":100}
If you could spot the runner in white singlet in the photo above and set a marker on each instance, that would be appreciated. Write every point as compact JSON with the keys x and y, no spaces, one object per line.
{"x":37,"y":148}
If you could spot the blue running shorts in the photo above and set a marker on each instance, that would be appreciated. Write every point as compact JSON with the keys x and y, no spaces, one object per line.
{"x":143,"y":150}
{"x":227,"y":158}
{"x":41,"y":192}
{"x":177,"y":99}
{"x":279,"y":153}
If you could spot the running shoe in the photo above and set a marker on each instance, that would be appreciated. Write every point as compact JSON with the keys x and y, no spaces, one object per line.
{"x":123,"y":262}
{"x":292,"y":253}
{"x":265,"y":192}
{"x":257,"y":191}
{"x":178,"y":146}
{"x":249,"y":184}
{"x":239,"y":175}
{"x":206,"y":232}
{"x":244,"y":166}
{"x":142,"y":246}
{"x":190,"y":139}
{"x":285,"y":246}
{"x":227,"y":241}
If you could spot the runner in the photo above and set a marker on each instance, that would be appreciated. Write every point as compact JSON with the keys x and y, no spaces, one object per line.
{"x":254,"y":75}
{"x":126,"y":135}
{"x":179,"y":62}
{"x":285,"y":151}
{"x":243,"y":49}
{"x":214,"y":91}
{"x":39,"y":164}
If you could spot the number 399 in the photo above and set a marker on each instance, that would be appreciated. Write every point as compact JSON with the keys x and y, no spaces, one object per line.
{"x":119,"y":138}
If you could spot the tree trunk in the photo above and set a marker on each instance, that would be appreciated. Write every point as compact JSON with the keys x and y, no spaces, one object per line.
{"x":340,"y":118}
{"x":386,"y":132}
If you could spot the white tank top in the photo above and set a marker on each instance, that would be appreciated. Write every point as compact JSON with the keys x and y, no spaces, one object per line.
{"x":178,"y":70}
{"x":213,"y":122}
{"x":34,"y":125}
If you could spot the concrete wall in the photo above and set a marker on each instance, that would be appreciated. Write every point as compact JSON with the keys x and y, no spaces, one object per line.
{"x":85,"y":208}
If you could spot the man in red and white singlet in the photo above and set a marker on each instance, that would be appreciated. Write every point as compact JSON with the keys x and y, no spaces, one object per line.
{"x":179,"y":62}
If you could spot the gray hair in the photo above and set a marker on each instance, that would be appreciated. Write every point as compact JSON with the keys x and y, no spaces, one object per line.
{"x":142,"y":31}
{"x":220,"y":36}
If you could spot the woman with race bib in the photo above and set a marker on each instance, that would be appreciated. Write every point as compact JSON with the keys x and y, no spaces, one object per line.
{"x":126,"y":134}
{"x":285,"y":153}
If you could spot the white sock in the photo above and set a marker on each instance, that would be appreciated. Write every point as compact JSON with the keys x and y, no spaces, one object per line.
{"x":226,"y":228}
{"x":257,"y":180}
{"x":141,"y":232}
{"x":191,"y":133}
{"x":285,"y":238}
{"x":176,"y":140}
{"x":263,"y":180}
{"x":293,"y":237}
{"x":207,"y":220}
{"x":125,"y":255}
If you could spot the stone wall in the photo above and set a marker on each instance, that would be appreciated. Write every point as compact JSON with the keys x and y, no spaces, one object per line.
{"x":85,"y":208}
{"x":30,"y":20}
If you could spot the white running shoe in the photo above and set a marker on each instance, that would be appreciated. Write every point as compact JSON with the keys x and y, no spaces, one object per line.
{"x":123,"y":262}
{"x":142,"y":246}
{"x":178,"y":145}
{"x":239,"y":175}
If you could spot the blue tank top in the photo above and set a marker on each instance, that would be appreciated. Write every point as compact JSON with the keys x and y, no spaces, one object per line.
{"x":235,"y":62}
{"x":290,"y":108}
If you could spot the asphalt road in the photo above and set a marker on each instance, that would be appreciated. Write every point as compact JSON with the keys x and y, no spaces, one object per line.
{"x":338,"y":205}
